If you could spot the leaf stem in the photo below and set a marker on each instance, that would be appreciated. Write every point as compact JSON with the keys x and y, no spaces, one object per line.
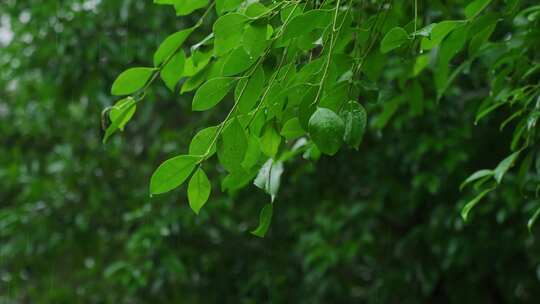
{"x":333,"y":39}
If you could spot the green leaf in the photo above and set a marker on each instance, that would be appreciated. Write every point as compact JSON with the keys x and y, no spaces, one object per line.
{"x":389,"y":109}
{"x":196,"y":63}
{"x":265,"y":218}
{"x":270,"y":141}
{"x":125,"y":109}
{"x":119,"y":108}
{"x":237,"y":62}
{"x":476,"y":7}
{"x":393,"y":39}
{"x":256,"y":10}
{"x":254,"y":39}
{"x":504,"y":165}
{"x":476,"y":176}
{"x":533,"y":219}
{"x":289,"y":12}
{"x":228,"y":31}
{"x":173,"y":70}
{"x":292,"y":129}
{"x":131,"y":81}
{"x":172,"y":173}
{"x":481,"y":37}
{"x":201,"y":142}
{"x":211,"y":93}
{"x":307,"y":22}
{"x":453,"y":44}
{"x":170,"y":45}
{"x":232,"y":146}
{"x":472,"y":203}
{"x":248,"y":98}
{"x":355,"y":117}
{"x":186,"y":7}
{"x":198,"y":190}
{"x":195,"y":81}
{"x":307,"y":107}
{"x":439,"y":32}
{"x":253,"y":152}
{"x":223,"y":6}
{"x":237,"y":180}
{"x":269,"y":177}
{"x":415,"y":94}
{"x":326,"y":129}
{"x":420,"y":64}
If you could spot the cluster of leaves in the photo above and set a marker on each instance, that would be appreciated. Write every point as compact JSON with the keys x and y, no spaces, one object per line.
{"x":300,"y":71}
{"x":292,"y":74}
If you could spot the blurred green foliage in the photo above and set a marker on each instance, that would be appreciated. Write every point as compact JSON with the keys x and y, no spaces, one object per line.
{"x":378,"y":225}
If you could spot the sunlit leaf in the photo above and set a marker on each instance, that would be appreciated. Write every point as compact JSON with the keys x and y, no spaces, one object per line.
{"x":211,"y":93}
{"x":171,"y":45}
{"x":172,"y":173}
{"x":131,"y":80}
{"x":198,"y":190}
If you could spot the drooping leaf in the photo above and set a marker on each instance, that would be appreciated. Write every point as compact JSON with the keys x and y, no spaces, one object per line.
{"x":254,"y":39}
{"x":474,"y":8}
{"x":198,"y":190}
{"x":476,"y":176}
{"x":389,"y":109}
{"x":223,"y":6}
{"x":472,"y":203}
{"x":232,"y":146}
{"x":307,"y":107}
{"x":420,"y":64}
{"x":237,"y":180}
{"x":211,"y":93}
{"x":171,"y":45}
{"x":439,"y":32}
{"x":265,"y":218}
{"x":200,"y":143}
{"x":186,"y":7}
{"x":270,"y":141}
{"x":122,"y":114}
{"x":395,"y":38}
{"x":131,"y":81}
{"x":292,"y":129}
{"x":504,"y":165}
{"x":228,"y":31}
{"x":247,"y":97}
{"x":195,"y":81}
{"x":326,"y":129}
{"x":173,"y":70}
{"x":237,"y":62}
{"x":172,"y":173}
{"x":119,"y":108}
{"x":355,"y":117}
{"x":253,"y":152}
{"x":256,"y":10}
{"x":196,"y":63}
{"x":533,"y":219}
{"x":307,"y":22}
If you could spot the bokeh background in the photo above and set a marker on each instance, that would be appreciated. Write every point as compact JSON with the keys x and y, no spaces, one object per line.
{"x":378,"y":225}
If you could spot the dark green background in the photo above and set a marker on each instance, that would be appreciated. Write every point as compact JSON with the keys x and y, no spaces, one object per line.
{"x":378,"y":225}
